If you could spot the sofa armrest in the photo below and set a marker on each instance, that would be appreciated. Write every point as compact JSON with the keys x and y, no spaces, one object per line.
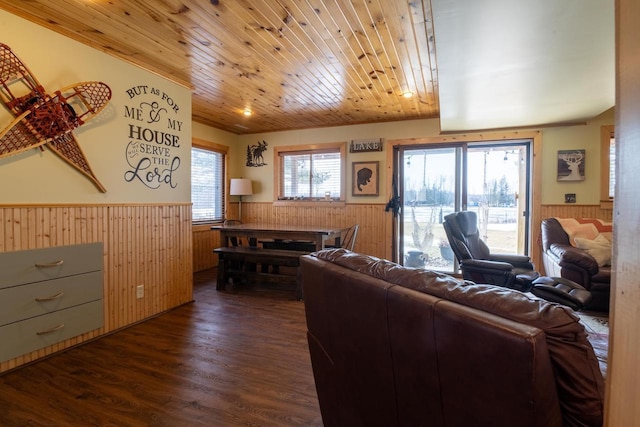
{"x":518,"y":261}
{"x":485,"y":264}
{"x":567,"y":254}
{"x":491,"y":272}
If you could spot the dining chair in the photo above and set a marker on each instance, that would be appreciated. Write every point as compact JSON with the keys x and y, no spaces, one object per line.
{"x":348,"y":238}
{"x":233,"y":239}
{"x":236,"y":241}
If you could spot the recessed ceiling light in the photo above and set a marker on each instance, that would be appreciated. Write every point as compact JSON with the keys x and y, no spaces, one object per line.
{"x":407,"y":94}
{"x":247,"y":112}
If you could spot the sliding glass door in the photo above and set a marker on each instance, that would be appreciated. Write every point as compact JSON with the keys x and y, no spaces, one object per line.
{"x":498,"y":190}
{"x":429,"y":190}
{"x":490,"y":178}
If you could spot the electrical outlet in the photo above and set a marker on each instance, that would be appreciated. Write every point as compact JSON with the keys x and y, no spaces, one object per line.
{"x":140,"y":291}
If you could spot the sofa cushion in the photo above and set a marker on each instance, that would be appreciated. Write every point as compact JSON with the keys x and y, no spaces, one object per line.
{"x":578,"y":377}
{"x":599,"y":248}
{"x":586,"y":228}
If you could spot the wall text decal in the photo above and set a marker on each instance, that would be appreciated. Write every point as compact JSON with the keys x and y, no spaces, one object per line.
{"x":153,"y":151}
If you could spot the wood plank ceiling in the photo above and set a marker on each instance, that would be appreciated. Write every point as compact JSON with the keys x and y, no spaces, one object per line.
{"x":293,"y":63}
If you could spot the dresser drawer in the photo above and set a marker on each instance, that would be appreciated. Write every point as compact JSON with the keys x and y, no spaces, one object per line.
{"x":36,"y":265}
{"x":24,"y":337}
{"x":34,"y":299}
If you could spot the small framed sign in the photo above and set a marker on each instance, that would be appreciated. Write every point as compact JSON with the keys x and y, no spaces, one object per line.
{"x":365,"y":145}
{"x":571,"y":165}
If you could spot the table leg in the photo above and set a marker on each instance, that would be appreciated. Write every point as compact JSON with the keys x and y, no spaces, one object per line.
{"x":222,"y":273}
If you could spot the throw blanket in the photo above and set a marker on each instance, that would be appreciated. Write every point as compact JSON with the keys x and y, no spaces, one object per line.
{"x":586,"y":228}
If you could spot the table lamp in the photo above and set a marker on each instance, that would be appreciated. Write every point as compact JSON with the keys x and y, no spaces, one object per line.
{"x":240,"y":187}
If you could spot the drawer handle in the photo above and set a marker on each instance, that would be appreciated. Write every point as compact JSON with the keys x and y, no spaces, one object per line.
{"x":48,"y":331}
{"x":51,"y":264}
{"x":52,"y":297}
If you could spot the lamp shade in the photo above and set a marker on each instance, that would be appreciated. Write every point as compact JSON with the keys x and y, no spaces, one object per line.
{"x":240,"y":187}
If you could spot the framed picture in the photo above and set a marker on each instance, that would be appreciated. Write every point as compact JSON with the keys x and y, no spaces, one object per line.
{"x":571,"y":165}
{"x":364,"y":181}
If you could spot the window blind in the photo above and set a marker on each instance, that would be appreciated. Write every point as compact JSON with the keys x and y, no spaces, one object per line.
{"x":207,"y":185}
{"x":612,"y":167}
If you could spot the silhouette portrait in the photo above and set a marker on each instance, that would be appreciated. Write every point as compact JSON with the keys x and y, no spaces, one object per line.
{"x":364,"y":176}
{"x":365,"y":179}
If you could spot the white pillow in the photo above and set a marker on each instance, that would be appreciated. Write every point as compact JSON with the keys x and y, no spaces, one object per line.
{"x":599,"y":248}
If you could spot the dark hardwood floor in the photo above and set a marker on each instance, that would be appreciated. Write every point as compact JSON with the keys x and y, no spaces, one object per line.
{"x":237,"y":357}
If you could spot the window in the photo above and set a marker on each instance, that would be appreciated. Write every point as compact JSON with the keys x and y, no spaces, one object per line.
{"x":612,"y":166}
{"x":207,"y":183}
{"x":607,"y":164}
{"x":311,"y":173}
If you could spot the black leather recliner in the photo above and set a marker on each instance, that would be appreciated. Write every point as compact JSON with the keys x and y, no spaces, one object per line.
{"x":514,"y":271}
{"x":477,"y":262}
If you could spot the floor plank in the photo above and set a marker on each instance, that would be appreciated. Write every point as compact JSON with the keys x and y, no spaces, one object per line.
{"x":237,"y":357}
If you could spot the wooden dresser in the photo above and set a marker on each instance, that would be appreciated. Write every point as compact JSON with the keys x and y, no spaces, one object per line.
{"x":49,"y":295}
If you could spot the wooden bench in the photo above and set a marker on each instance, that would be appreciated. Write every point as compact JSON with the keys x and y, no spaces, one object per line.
{"x":240,"y":261}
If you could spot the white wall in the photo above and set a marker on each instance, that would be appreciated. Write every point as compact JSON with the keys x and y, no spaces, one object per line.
{"x":585,"y":136}
{"x":214,"y":135}
{"x":130,"y":170}
{"x":263,"y":176}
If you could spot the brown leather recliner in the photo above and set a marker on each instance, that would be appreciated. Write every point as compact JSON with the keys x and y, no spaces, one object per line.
{"x":561,"y":259}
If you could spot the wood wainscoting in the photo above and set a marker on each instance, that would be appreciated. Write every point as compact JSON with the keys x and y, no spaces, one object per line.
{"x":374,"y":235}
{"x":576,"y":211}
{"x":149,"y":245}
{"x":156,"y":246}
{"x":205,"y":241}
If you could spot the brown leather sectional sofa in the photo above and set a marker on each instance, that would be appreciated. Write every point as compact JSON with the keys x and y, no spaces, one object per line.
{"x":561,"y":259}
{"x":396,"y":346}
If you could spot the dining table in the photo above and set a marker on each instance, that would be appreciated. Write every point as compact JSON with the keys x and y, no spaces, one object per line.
{"x":254,"y":232}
